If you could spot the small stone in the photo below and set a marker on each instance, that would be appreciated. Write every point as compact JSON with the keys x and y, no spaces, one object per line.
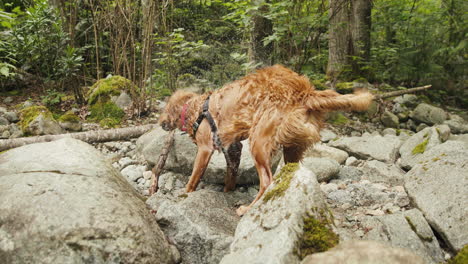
{"x":330,"y":187}
{"x":351,"y":161}
{"x":402,"y":200}
{"x":341,"y":186}
{"x":11,"y":116}
{"x":147,"y":175}
{"x":3,"y":121}
{"x":125,"y":161}
{"x":346,"y":206}
{"x":27,"y":104}
{"x":377,"y":212}
{"x":6,"y":134}
{"x":389,"y":131}
{"x":421,"y":127}
{"x":400,"y":189}
{"x":8,"y":100}
{"x":359,"y":233}
{"x":355,"y":134}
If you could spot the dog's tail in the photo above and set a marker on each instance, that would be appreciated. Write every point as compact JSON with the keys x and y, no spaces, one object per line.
{"x":329,"y":100}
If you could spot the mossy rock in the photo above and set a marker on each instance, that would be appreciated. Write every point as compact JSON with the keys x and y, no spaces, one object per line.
{"x":344,"y":87}
{"x":104,"y":89}
{"x":319,"y":85}
{"x":107,"y":114}
{"x":337,"y":118}
{"x":48,"y":125}
{"x":419,"y":149}
{"x":282,"y":181}
{"x":69,"y":117}
{"x":461,"y":257}
{"x":30,"y":113}
{"x":317,"y":234}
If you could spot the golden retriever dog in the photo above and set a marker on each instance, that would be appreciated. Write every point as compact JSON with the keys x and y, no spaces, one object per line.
{"x":274,"y":108}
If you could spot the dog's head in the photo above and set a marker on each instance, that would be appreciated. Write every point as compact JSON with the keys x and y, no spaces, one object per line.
{"x":170,"y":118}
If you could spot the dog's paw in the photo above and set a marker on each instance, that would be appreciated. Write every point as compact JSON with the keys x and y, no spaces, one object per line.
{"x":242,"y":210}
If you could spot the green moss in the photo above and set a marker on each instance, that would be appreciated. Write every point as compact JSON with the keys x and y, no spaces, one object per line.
{"x":419,"y":149}
{"x":337,"y":118}
{"x":319,"y":85}
{"x":415,"y":230}
{"x":282,"y":181}
{"x":108,"y":114}
{"x":461,"y":257}
{"x":317,"y":236}
{"x":361,"y":80}
{"x":69,"y":117}
{"x":103,"y":89}
{"x":30,"y":113}
{"x":344,"y":87}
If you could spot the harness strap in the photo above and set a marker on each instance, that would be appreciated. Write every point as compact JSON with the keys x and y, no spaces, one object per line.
{"x":214,"y":129}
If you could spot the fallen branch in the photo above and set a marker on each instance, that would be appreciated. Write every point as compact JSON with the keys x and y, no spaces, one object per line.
{"x":156,"y":171}
{"x":88,"y":136}
{"x":397,"y":93}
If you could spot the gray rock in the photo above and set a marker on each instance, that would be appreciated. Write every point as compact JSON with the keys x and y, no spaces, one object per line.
{"x":364,"y":252}
{"x":201,"y":223}
{"x":3,"y":110}
{"x":412,"y":149}
{"x":457,"y":124}
{"x":27,"y":104}
{"x":270,"y":232}
{"x":375,"y":147}
{"x":377,"y":171}
{"x":123,"y":101}
{"x":320,"y":150}
{"x":389,"y":131}
{"x":182,"y":155}
{"x":71,"y":126}
{"x":410,"y":124}
{"x":4,"y":128}
{"x":389,"y":119}
{"x":62,"y":202}
{"x":3,"y":121}
{"x":133,"y":172}
{"x":11,"y":116}
{"x":444,"y":132}
{"x":125,"y":161}
{"x":429,"y":114}
{"x":8,"y":100}
{"x":352,"y":161}
{"x":407,"y":230}
{"x":5,"y":134}
{"x":43,"y":126}
{"x":461,"y":138}
{"x":15,"y":131}
{"x":327,"y":135}
{"x":170,"y":181}
{"x":324,"y":169}
{"x":409,"y":100}
{"x":421,"y":127}
{"x":437,"y":186}
{"x":350,"y":173}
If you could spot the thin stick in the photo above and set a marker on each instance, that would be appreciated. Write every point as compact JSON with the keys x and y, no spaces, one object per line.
{"x":397,"y":93}
{"x":160,"y":163}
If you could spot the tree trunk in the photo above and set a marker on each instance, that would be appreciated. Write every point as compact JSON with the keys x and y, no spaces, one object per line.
{"x":360,"y":34}
{"x":262,"y":27}
{"x":339,"y":39}
{"x":349,"y":37}
{"x":88,"y":136}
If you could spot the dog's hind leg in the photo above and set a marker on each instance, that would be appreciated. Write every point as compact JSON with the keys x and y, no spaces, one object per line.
{"x":293,"y":154}
{"x":232,"y":160}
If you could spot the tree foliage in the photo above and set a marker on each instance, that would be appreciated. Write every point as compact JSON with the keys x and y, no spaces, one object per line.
{"x":67,"y":43}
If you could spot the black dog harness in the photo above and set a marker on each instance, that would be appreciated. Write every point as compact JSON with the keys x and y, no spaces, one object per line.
{"x":214,"y":129}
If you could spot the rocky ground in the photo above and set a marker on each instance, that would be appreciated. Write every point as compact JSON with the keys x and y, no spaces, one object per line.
{"x":398,"y":183}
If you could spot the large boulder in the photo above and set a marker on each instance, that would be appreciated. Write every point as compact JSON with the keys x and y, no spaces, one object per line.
{"x":38,"y":120}
{"x":370,"y":146}
{"x":407,"y":230}
{"x":412,"y":149}
{"x":364,"y":252}
{"x":182,"y":156}
{"x":62,"y":202}
{"x":437,"y":186}
{"x":201,"y":223}
{"x":429,"y":114}
{"x":291,"y":220}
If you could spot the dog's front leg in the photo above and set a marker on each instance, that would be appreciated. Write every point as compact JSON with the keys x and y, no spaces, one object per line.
{"x":201,"y":162}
